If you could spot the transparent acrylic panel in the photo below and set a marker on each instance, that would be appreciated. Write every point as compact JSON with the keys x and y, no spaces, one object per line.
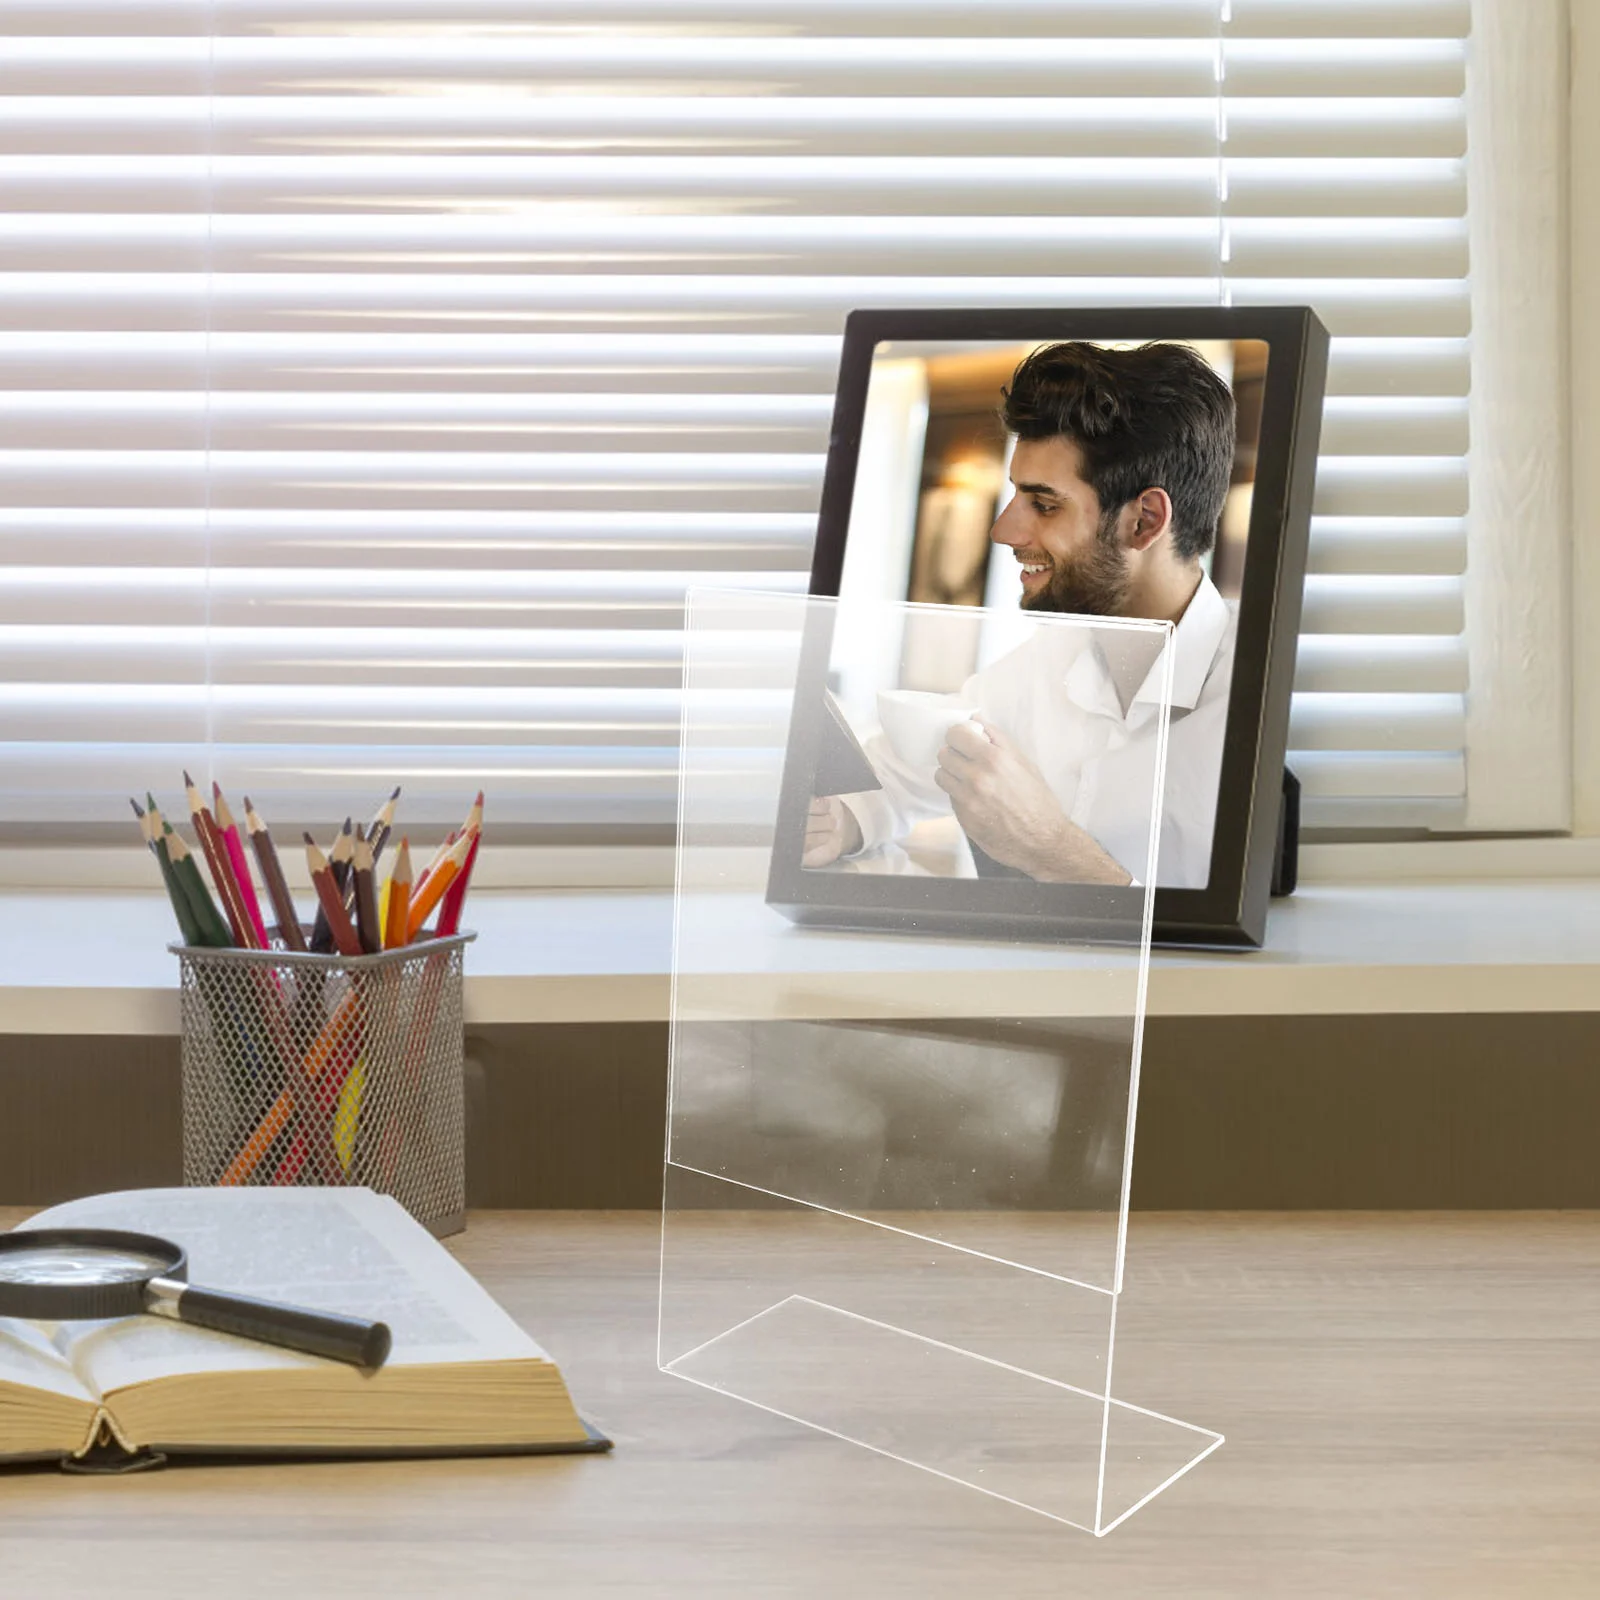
{"x":908,"y":997}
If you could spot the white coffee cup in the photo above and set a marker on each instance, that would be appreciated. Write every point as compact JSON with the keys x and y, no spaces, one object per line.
{"x":917,"y":724}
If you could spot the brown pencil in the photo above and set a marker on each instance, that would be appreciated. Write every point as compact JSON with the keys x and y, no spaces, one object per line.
{"x":339,"y":865}
{"x":205,"y":827}
{"x":339,"y":928}
{"x":289,"y":929}
{"x":367,"y":929}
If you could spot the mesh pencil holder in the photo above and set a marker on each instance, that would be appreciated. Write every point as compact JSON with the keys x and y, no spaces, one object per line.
{"x":322,"y":1070}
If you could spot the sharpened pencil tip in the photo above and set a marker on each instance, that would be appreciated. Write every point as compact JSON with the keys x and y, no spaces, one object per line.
{"x":396,"y":794}
{"x":138,"y":810}
{"x":349,"y":826}
{"x":188,"y":782}
{"x":247,"y":805}
{"x":310,"y":841}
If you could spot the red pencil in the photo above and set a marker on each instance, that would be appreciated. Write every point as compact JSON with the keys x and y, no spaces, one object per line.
{"x":455,"y":896}
{"x":228,"y":831}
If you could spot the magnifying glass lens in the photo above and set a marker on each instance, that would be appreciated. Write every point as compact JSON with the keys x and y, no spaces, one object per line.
{"x":78,"y":1266}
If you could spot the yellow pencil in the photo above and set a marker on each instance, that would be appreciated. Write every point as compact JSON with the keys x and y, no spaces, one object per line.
{"x":397,"y":900}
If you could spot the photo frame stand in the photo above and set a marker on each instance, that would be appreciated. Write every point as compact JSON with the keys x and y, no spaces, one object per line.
{"x":897,"y":1169}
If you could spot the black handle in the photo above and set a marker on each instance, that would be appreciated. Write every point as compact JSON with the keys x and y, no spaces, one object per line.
{"x":317,"y":1333}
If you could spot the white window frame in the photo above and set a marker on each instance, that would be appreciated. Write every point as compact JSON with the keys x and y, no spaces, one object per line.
{"x":1582,"y":98}
{"x":1518,"y":628}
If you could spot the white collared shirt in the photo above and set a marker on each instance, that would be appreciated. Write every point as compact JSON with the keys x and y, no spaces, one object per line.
{"x":1055,"y":695}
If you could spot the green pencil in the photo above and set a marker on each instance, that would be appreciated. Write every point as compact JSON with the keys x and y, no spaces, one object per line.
{"x":187,"y":926}
{"x":211,"y":928}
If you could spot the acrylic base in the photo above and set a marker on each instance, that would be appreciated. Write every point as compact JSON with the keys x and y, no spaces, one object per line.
{"x":1067,"y":1454}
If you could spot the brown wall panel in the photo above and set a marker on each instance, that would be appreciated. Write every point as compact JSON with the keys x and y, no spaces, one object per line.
{"x":1235,"y":1113}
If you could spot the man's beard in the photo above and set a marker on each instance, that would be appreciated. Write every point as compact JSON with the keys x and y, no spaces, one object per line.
{"x":1096,"y":584}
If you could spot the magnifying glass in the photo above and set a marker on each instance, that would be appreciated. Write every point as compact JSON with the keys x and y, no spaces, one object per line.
{"x":85,"y":1274}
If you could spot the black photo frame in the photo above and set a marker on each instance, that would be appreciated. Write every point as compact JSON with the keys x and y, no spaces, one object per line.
{"x":1231,"y":910}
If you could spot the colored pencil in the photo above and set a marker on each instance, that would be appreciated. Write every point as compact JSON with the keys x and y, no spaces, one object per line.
{"x":188,"y":922}
{"x":434,"y":863}
{"x":347,"y":1115}
{"x":339,"y":865}
{"x":379,"y":829}
{"x":228,"y":829}
{"x":368,"y":929}
{"x":294,"y":1160}
{"x":340,"y":932}
{"x":213,"y":930}
{"x":289,"y":929}
{"x":216,"y":854}
{"x":456,"y":895}
{"x":256,"y":1146}
{"x":433,"y":891}
{"x":335,"y":1043}
{"x":181,"y":909}
{"x":397,"y":900}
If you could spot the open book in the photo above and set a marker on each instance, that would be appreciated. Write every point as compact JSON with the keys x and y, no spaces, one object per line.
{"x":462,"y":1378}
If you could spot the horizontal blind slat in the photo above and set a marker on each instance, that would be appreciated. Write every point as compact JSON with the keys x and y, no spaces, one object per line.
{"x":561,"y":363}
{"x":1326,"y":774}
{"x":1403,"y":546}
{"x":1368,"y":722}
{"x":1381,"y":604}
{"x":1156,"y":19}
{"x":1375,"y":663}
{"x":457,"y":257}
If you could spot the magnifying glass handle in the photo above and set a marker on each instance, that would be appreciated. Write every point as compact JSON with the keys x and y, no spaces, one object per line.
{"x":317,"y":1333}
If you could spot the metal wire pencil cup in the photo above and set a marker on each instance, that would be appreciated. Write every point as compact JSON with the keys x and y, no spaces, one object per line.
{"x":327,"y":1069}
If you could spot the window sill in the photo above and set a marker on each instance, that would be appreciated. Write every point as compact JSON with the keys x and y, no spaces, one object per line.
{"x":81,"y":962}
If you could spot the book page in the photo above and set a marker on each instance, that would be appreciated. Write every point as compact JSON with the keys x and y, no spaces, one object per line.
{"x":341,"y":1250}
{"x":34,"y":1356}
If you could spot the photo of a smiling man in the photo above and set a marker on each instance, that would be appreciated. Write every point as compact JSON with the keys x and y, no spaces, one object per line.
{"x":1115,"y":470}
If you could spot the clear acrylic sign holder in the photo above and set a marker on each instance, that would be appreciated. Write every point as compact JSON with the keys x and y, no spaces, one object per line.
{"x":898,"y":1163}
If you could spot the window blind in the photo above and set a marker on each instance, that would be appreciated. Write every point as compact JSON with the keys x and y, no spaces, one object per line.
{"x":375,"y":375}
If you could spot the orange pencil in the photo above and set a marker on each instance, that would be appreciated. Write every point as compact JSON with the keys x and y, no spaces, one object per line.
{"x":335,"y":1035}
{"x":332,"y":902}
{"x":259,"y":1142}
{"x":432,"y":892}
{"x":397,"y":900}
{"x":434,"y":864}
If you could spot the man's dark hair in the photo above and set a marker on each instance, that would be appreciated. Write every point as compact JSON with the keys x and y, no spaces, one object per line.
{"x":1156,"y":417}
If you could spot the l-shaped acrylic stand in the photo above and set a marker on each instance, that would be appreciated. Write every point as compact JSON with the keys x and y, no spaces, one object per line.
{"x":898,"y":1165}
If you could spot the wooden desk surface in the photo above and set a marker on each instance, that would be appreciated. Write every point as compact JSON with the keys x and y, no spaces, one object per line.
{"x":1412,"y":1405}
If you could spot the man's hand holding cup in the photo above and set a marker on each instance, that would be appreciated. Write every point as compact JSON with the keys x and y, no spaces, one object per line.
{"x":831,"y":832}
